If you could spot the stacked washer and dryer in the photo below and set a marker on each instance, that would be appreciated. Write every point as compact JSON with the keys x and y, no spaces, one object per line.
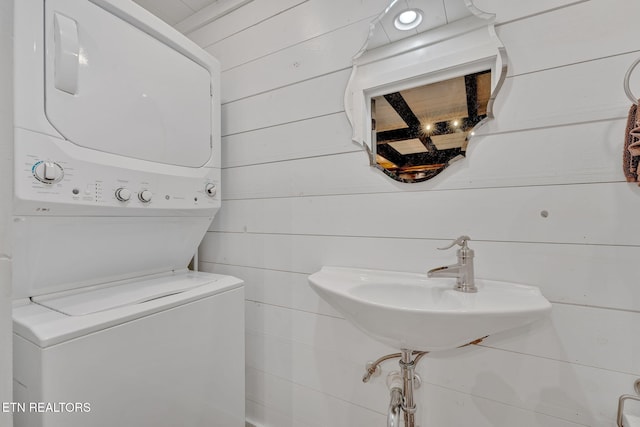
{"x":116,"y":181}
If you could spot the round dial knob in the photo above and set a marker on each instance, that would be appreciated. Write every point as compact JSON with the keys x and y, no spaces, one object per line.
{"x":47,"y":172}
{"x":210,"y":189}
{"x":123,"y":194}
{"x":145,"y":196}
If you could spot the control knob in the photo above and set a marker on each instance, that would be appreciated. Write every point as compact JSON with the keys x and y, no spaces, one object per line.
{"x":145,"y":196}
{"x":210,"y":189}
{"x":123,"y":194}
{"x":47,"y":172}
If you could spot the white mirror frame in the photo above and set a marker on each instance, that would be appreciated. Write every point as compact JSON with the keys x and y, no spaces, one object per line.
{"x":465,"y":46}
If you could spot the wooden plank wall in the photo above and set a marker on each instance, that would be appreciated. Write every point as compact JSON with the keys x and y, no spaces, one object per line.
{"x":298,"y":194}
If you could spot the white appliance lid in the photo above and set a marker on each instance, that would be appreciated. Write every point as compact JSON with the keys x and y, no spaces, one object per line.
{"x":44,"y":320}
{"x":107,"y":298}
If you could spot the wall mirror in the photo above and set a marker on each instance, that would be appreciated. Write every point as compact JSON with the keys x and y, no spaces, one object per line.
{"x":423,"y":84}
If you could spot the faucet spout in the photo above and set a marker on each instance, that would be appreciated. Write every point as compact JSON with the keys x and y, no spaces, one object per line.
{"x":445,"y":271}
{"x":462,"y":271}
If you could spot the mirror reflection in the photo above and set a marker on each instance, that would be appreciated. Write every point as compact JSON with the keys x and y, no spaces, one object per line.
{"x":417,"y":132}
{"x":423,"y":84}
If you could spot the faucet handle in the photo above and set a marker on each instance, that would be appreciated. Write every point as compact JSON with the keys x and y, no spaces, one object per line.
{"x":462,"y":241}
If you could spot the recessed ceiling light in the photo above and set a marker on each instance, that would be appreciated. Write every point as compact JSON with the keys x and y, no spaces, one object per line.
{"x":408,"y":19}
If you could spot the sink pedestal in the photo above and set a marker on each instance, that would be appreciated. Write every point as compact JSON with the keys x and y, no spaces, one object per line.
{"x":407,"y":369}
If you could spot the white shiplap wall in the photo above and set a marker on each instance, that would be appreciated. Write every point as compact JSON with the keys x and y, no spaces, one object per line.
{"x":298,"y":195}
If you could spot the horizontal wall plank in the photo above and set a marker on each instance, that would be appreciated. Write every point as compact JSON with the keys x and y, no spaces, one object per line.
{"x":441,"y":406}
{"x":279,"y":32}
{"x":564,"y":95}
{"x":334,"y":337}
{"x":315,"y":57}
{"x":592,"y":275}
{"x":304,"y":406}
{"x":508,"y":10}
{"x":346,"y":173}
{"x":318,"y":369}
{"x":597,"y":214}
{"x":300,"y":101}
{"x":570,"y":35}
{"x":317,"y":136}
{"x":601,"y":340}
{"x":259,"y":415}
{"x":572,"y":392}
{"x":279,"y":288}
{"x":589,"y":152}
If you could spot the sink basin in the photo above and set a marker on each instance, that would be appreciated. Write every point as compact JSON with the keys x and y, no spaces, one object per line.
{"x":414,"y":312}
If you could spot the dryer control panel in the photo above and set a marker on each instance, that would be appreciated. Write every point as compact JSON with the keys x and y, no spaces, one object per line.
{"x":49,"y":176}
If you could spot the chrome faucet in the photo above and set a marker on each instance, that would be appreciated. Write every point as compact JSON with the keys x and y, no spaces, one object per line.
{"x":462,"y":271}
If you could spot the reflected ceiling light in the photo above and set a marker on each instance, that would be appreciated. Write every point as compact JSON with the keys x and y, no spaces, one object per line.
{"x":456,"y":123}
{"x":408,"y":19}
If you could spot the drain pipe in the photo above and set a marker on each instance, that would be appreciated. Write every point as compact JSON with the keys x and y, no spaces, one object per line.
{"x":395,"y":406}
{"x":395,"y":384}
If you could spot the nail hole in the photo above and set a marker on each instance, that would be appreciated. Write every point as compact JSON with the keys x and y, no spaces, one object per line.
{"x":544,"y":214}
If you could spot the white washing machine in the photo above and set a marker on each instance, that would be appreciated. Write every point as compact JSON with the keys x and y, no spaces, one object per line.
{"x":116,"y":180}
{"x":165,"y":351}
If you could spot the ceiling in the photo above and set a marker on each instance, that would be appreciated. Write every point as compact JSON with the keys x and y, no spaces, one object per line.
{"x":436,"y":14}
{"x":174,"y":11}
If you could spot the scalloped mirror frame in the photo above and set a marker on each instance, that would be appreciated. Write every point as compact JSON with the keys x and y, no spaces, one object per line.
{"x":461,"y":47}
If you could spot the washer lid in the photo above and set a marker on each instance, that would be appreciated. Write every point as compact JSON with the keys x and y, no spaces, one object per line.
{"x":45,"y":327}
{"x":111,"y":86}
{"x":102,"y":299}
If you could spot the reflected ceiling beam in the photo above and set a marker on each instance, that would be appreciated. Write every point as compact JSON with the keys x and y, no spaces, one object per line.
{"x":440,"y":128}
{"x":393,"y":135}
{"x":471,"y":83}
{"x":439,"y":156}
{"x":418,"y":159}
{"x":390,"y":154}
{"x":398,"y":103}
{"x":405,"y":112}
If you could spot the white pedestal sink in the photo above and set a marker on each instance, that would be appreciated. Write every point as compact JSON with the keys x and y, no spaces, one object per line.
{"x":413,"y":311}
